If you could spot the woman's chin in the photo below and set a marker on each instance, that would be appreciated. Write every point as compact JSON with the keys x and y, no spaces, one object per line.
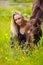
{"x":19,"y":24}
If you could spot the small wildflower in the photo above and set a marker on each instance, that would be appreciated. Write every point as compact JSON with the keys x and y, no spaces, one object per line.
{"x":6,"y":35}
{"x":16,"y":49}
{"x":1,"y":49}
{"x":28,"y":63}
{"x":16,"y":62}
{"x":7,"y":58}
{"x":22,"y":59}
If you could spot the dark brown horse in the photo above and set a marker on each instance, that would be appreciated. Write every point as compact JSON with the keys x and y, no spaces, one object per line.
{"x":36,"y":18}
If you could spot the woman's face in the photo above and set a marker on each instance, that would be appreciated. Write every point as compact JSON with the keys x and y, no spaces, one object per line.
{"x":18,"y":19}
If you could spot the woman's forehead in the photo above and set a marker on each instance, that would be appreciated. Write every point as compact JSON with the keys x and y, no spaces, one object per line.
{"x":17,"y":16}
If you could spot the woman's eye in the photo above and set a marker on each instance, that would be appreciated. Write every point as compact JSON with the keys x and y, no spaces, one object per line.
{"x":18,"y":18}
{"x":15,"y":19}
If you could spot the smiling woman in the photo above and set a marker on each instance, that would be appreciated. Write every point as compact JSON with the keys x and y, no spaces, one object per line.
{"x":18,"y":18}
{"x":18,"y":28}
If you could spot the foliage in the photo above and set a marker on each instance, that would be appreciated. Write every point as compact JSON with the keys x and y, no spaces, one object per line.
{"x":23,"y":1}
{"x":15,"y":56}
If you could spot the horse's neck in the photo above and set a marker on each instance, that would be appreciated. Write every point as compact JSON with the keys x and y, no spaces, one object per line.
{"x":41,"y":1}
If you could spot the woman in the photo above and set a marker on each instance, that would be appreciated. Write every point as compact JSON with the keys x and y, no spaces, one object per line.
{"x":18,"y":28}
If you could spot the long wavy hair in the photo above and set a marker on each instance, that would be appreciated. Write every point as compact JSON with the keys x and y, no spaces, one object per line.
{"x":13,"y":23}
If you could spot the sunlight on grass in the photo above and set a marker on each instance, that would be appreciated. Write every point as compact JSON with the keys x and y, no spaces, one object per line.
{"x":15,"y":56}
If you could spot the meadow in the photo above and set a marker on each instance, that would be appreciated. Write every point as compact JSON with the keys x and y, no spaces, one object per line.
{"x":14,"y":56}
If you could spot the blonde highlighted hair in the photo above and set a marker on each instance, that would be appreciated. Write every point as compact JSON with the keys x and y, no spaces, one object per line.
{"x":13,"y":24}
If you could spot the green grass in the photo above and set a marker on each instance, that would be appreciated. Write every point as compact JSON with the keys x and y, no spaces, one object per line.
{"x":9,"y":56}
{"x":23,"y":1}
